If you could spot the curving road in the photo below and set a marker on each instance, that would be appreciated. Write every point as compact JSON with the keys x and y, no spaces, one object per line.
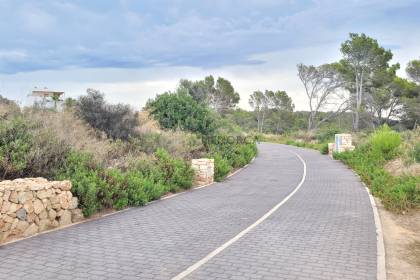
{"x":291,"y":214}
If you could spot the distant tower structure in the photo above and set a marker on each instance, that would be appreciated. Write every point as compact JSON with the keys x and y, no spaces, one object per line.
{"x":46,"y":96}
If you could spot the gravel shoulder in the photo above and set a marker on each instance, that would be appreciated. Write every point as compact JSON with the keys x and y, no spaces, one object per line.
{"x":402,"y":243}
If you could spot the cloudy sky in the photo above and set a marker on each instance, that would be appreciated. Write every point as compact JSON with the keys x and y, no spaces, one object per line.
{"x":132,"y":50}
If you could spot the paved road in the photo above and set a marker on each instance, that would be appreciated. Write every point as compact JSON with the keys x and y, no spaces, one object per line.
{"x":324,"y":231}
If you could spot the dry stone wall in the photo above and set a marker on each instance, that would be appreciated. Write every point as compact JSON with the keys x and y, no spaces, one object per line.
{"x":203,"y":170}
{"x":32,"y":205}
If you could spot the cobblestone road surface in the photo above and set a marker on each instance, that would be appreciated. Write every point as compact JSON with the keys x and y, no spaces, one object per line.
{"x":325,"y":230}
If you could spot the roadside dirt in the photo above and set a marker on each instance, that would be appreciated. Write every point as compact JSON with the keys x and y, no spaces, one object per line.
{"x":402,"y":243}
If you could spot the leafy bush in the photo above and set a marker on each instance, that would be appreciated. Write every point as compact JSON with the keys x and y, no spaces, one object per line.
{"x":145,"y":180}
{"x":86,"y":181}
{"x":29,"y":152}
{"x":324,"y":149}
{"x":176,"y":173}
{"x":179,"y":110}
{"x":229,"y":153}
{"x":15,"y":143}
{"x":221,"y":167}
{"x":116,"y":121}
{"x":326,"y":134}
{"x":46,"y":156}
{"x":385,"y":142}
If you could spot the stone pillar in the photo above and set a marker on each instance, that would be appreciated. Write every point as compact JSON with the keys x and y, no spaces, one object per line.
{"x":343,"y":142}
{"x":203,"y":170}
{"x":331,"y":148}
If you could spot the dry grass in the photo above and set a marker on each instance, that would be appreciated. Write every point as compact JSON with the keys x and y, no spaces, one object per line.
{"x":405,"y":163}
{"x":147,"y":124}
{"x":75,"y":132}
{"x":8,"y":109}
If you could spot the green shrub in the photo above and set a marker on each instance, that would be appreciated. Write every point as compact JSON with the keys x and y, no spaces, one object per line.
{"x":324,"y":149}
{"x":136,"y":189}
{"x":229,"y":153}
{"x":46,"y":156}
{"x":181,"y":111}
{"x":26,"y":151}
{"x":397,"y":193}
{"x":177,"y":173}
{"x":148,"y":179}
{"x":385,"y":141}
{"x":404,"y":193}
{"x":86,"y":181}
{"x":15,"y":143}
{"x":326,"y":134}
{"x":221,"y":167}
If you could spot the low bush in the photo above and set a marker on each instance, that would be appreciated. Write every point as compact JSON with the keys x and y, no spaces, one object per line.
{"x":87,"y":183}
{"x":229,"y":153}
{"x":221,"y":167}
{"x":385,"y":141}
{"x":176,"y":173}
{"x":324,"y":149}
{"x":147,"y":179}
{"x":15,"y":143}
{"x":27,"y":151}
{"x":327,"y":134}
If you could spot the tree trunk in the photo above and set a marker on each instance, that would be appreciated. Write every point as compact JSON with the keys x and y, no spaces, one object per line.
{"x":262,"y":122}
{"x":311,"y":120}
{"x":359,"y":93}
{"x":258,"y":121}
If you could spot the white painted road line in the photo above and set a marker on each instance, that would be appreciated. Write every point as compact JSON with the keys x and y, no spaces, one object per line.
{"x":204,"y":260}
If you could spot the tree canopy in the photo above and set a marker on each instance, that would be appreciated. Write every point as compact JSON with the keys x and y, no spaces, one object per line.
{"x":180,"y":111}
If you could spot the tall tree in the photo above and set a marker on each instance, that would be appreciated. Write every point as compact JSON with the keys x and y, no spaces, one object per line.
{"x":411,"y":99}
{"x":324,"y":89}
{"x":200,"y":90}
{"x":224,"y":96}
{"x":413,"y":70}
{"x":181,"y":111}
{"x":383,"y":95}
{"x":259,"y":102}
{"x":220,"y":95}
{"x":362,"y":56}
{"x":282,"y":105}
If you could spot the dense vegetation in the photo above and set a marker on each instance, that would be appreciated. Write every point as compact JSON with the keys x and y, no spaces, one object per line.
{"x":146,"y":180}
{"x":368,"y":160}
{"x":181,"y":111}
{"x":116,"y":157}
